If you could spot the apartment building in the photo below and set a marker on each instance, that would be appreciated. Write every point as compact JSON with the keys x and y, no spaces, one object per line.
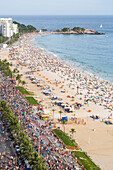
{"x":7,"y":27}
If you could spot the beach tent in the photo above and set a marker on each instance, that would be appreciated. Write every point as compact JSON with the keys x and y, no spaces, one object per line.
{"x":65,"y":118}
{"x":30,"y":126}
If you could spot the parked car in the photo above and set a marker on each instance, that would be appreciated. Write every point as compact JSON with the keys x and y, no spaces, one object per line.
{"x":17,"y":148}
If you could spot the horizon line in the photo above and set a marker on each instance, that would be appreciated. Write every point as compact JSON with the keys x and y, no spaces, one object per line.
{"x":57,"y":14}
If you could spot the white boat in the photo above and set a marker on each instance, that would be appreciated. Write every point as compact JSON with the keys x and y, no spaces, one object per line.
{"x":101,"y":26}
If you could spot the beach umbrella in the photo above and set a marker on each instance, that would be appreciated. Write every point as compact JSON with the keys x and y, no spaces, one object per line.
{"x":89,"y":110}
{"x":109,"y":118}
{"x":72,"y":100}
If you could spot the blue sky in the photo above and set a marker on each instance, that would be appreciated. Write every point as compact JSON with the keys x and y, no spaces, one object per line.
{"x":56,"y":7}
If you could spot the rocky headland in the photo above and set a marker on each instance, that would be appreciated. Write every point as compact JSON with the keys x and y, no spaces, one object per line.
{"x":77,"y":30}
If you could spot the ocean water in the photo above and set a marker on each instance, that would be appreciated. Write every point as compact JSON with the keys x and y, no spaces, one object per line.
{"x":93,"y":53}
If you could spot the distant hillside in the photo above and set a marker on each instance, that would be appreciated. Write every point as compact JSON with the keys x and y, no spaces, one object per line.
{"x":23,"y":28}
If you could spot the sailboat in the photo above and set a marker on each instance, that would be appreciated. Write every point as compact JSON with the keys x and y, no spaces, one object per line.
{"x":101,"y":26}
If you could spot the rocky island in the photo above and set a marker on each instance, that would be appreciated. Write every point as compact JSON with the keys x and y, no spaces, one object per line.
{"x":77,"y":30}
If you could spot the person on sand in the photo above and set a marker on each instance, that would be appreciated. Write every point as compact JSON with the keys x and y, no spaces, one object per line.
{"x":77,"y":89}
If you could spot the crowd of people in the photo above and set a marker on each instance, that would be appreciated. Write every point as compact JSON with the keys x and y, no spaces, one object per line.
{"x":88,"y":88}
{"x":48,"y":145}
{"x":8,"y":156}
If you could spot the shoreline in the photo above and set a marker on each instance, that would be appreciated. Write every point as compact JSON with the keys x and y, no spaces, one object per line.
{"x":76,"y":67}
{"x":53,"y":69}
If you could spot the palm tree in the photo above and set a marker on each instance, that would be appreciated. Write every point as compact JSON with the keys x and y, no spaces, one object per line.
{"x":73,"y":131}
{"x":23,"y":83}
{"x":3,"y":104}
{"x":15,"y":70}
{"x":74,"y":115}
{"x":21,"y":137}
{"x":14,"y":125}
{"x":19,"y":81}
{"x":64,"y":122}
{"x":27,"y":149}
{"x":1,"y":109}
{"x":53,"y":113}
{"x":60,"y":113}
{"x":36,"y":162}
{"x":18,"y":78}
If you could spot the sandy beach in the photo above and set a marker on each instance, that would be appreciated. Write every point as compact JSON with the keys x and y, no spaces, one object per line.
{"x":71,"y":87}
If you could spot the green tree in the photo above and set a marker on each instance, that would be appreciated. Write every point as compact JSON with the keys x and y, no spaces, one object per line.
{"x":53,"y":113}
{"x":27,"y":149}
{"x":44,"y":30}
{"x":65,"y":29}
{"x":60,"y":113}
{"x":14,"y":125}
{"x":23,"y":83}
{"x":15,"y":70}
{"x":21,"y":137}
{"x":64,"y":122}
{"x":73,"y":131}
{"x":18,"y":78}
{"x":58,"y":30}
{"x":36,"y":162}
{"x":3,"y":104}
{"x":23,"y":28}
{"x":19,"y":81}
{"x":31,"y":28}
